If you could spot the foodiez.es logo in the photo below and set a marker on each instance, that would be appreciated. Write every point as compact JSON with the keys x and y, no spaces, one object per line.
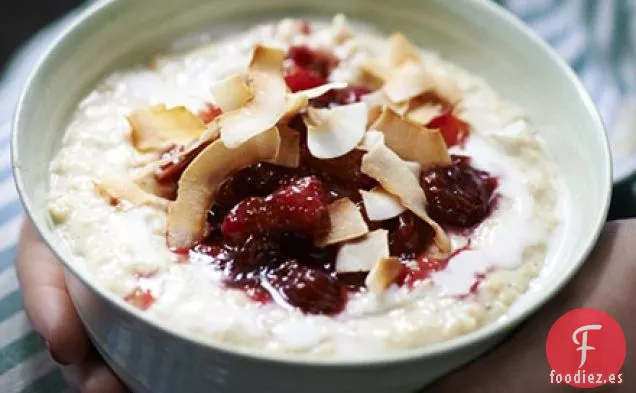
{"x":586,"y":348}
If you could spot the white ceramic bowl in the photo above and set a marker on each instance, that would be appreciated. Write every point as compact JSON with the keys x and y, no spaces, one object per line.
{"x":474,"y":34}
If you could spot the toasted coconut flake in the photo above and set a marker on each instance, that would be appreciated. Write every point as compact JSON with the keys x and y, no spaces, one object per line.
{"x":375,"y":101}
{"x":448,"y":89}
{"x":412,"y":142}
{"x":347,"y":223}
{"x":401,"y":50}
{"x":415,"y":168}
{"x":268,"y":104}
{"x":295,"y":104}
{"x":375,"y":70}
{"x":289,"y":151}
{"x":423,"y":114}
{"x":231,"y":93}
{"x":372,"y":115}
{"x":159,"y":178}
{"x":382,"y":164}
{"x":201,"y":179}
{"x":320,"y":90}
{"x":383,"y":274}
{"x":408,"y":81}
{"x":381,"y":205}
{"x":155,"y":128}
{"x":401,"y":108}
{"x":362,"y":254}
{"x":334,"y":132}
{"x":147,"y":182}
{"x":118,"y":188}
{"x":299,"y":100}
{"x":211,"y":133}
{"x":377,"y":98}
{"x":369,"y":139}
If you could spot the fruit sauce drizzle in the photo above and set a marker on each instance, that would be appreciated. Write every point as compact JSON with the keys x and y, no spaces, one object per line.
{"x":261,"y":226}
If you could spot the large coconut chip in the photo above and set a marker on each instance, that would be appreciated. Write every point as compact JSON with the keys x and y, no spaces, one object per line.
{"x":336,"y":131}
{"x":289,"y":151}
{"x":347,"y":223}
{"x":406,"y":75}
{"x":200,"y":180}
{"x":268,"y":103}
{"x":408,"y":81}
{"x":299,"y":100}
{"x":375,"y":101}
{"x":383,"y":165}
{"x":383,"y":274}
{"x":362,"y":254}
{"x":320,"y":90}
{"x":370,"y":139}
{"x":147,"y":181}
{"x":402,"y":51}
{"x":231,"y":93}
{"x":411,"y":141}
{"x":157,"y":128}
{"x":118,"y":188}
{"x":375,"y":70}
{"x":448,"y":89}
{"x":295,"y":104}
{"x":424,"y":113}
{"x":381,"y":205}
{"x":415,"y":168}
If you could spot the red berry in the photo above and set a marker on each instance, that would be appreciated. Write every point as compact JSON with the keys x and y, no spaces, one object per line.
{"x":300,"y":78}
{"x":454,"y":130}
{"x":308,"y":68}
{"x":259,"y":179}
{"x":309,"y":289}
{"x":320,"y":62}
{"x":299,"y":207}
{"x":408,"y":235}
{"x":458,"y":195}
{"x":255,"y":251}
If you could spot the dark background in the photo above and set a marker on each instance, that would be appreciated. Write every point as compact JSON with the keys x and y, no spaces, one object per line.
{"x":20,"y":19}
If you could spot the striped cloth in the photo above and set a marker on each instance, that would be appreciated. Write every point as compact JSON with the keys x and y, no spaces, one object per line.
{"x":597,"y":37}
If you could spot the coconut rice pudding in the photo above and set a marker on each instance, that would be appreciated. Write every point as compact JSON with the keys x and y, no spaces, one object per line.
{"x":308,"y":188}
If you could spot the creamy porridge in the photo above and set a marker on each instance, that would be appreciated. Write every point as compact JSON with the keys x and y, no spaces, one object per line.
{"x":306,"y":188}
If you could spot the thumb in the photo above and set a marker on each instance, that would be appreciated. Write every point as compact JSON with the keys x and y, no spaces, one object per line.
{"x":46,"y":299}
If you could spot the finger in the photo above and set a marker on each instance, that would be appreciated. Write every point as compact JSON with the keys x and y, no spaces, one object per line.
{"x":46,"y":299}
{"x":93,"y":376}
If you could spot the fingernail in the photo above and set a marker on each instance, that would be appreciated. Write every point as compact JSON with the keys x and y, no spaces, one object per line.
{"x":55,"y":357}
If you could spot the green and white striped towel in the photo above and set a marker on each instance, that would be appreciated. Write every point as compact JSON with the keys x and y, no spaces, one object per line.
{"x":596,"y":37}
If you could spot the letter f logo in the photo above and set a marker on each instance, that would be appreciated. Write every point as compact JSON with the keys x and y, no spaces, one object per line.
{"x":583,"y":344}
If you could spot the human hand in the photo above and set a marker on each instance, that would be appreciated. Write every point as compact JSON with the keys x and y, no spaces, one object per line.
{"x":49,"y":307}
{"x":607,"y":282}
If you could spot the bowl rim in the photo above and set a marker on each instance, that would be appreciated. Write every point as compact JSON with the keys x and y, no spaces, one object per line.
{"x":490,"y":331}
